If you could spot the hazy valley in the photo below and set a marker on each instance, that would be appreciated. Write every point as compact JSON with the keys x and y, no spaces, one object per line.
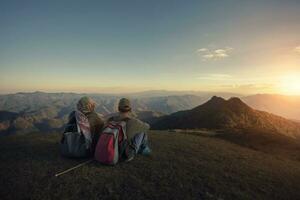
{"x":48,"y":112}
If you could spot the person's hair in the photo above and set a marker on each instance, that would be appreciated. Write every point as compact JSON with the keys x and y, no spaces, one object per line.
{"x":124,"y":105}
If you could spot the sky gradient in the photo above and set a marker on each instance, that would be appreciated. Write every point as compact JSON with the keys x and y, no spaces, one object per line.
{"x":126,"y":46}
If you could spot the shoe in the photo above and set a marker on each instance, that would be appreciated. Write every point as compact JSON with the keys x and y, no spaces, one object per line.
{"x":130,"y":154}
{"x":129,"y":159}
{"x":146,"y":151}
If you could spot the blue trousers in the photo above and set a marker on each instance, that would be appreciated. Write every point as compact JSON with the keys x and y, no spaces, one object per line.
{"x":139,"y":142}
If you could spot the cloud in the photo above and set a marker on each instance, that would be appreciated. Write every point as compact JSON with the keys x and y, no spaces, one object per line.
{"x":250,"y":88}
{"x":202,"y":50}
{"x":213,"y":54}
{"x":253,"y":86}
{"x":208,"y":55}
{"x":297,"y":49}
{"x":215,"y":77}
{"x":220,"y":51}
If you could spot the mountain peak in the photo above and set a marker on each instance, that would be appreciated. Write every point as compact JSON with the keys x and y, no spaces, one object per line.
{"x":236,"y":101}
{"x":233,"y":103}
{"x":216,"y":98}
{"x":231,"y":100}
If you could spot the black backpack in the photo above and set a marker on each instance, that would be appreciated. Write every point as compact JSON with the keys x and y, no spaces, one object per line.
{"x":75,"y":141}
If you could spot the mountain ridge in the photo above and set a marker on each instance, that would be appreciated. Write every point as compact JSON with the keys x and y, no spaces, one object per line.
{"x":48,"y":111}
{"x":219,"y":113}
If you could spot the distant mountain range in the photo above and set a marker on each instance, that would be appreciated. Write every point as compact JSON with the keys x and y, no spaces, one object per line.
{"x":231,"y":114}
{"x":158,"y":101}
{"x":39,"y":111}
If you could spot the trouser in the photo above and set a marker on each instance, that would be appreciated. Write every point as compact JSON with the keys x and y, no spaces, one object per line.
{"x":139,"y":142}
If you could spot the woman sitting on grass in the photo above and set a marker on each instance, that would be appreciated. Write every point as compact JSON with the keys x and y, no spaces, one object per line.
{"x":86,"y":106}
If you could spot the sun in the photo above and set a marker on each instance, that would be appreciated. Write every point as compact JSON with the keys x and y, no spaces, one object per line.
{"x":290,"y":84}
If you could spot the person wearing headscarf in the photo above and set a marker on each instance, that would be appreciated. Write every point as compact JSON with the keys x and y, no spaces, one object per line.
{"x":87,"y":106}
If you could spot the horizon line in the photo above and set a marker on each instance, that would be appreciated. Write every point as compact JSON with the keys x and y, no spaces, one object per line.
{"x":144,"y":91}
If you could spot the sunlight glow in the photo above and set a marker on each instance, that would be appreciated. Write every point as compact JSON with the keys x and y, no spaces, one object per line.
{"x":290,"y":84}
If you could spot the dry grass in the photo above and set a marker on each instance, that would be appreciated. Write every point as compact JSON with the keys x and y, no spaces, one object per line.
{"x":182,"y":166}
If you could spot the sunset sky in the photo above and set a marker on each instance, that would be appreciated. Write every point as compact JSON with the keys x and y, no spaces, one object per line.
{"x":127,"y":46}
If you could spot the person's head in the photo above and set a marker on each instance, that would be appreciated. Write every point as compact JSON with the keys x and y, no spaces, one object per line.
{"x":124,"y":106}
{"x":86,"y":105}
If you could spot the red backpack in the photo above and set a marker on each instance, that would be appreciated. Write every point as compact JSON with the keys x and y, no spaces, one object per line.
{"x":112,"y":143}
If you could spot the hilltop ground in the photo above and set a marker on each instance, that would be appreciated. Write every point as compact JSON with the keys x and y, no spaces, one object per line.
{"x":182,"y":166}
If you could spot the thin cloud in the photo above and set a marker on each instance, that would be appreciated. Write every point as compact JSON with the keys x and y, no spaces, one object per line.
{"x":208,"y":56}
{"x":220,"y":51}
{"x":215,"y":77}
{"x":249,"y":88}
{"x":202,"y":50}
{"x":213,"y":54}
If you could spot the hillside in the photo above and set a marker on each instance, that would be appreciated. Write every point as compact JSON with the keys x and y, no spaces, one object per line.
{"x":182,"y":166}
{"x":46,"y":119}
{"x":219,"y":113}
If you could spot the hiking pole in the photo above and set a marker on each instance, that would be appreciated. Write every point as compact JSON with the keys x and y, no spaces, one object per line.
{"x":77,"y":166}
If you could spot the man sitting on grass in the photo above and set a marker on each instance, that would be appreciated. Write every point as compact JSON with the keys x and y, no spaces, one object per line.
{"x":135,"y":130}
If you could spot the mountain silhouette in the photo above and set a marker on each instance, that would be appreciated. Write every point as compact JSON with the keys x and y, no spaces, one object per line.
{"x":218,"y":113}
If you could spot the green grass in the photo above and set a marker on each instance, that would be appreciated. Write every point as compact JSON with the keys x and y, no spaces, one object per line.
{"x":182,"y":166}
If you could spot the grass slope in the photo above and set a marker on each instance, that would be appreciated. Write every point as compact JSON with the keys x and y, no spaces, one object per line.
{"x":183,"y":166}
